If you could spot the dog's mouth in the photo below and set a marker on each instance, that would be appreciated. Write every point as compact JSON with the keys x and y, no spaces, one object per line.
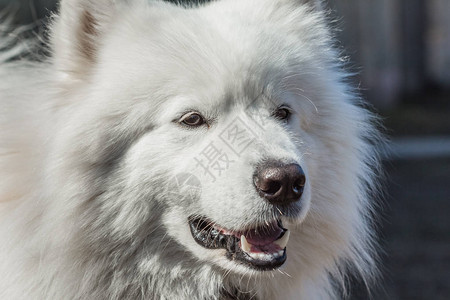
{"x":261,"y":248}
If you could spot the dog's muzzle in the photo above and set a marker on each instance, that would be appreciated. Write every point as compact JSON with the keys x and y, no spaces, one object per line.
{"x":262,"y":247}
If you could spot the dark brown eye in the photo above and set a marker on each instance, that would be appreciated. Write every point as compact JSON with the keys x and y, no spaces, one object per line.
{"x":282,"y":113}
{"x":193,"y":120}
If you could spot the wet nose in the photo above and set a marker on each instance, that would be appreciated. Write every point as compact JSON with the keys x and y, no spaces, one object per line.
{"x":280,"y":184}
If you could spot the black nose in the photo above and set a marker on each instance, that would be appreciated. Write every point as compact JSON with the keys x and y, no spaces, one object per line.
{"x":280,"y":183}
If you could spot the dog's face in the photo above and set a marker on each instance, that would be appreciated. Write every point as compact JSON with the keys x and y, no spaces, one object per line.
{"x":223,"y":131}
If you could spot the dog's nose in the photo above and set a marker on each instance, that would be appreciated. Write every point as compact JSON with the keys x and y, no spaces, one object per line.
{"x":280,"y":184}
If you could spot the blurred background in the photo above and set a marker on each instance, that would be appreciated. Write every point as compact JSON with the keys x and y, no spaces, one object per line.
{"x":400,"y":51}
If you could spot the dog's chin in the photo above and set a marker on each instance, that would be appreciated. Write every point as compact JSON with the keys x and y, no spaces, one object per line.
{"x":259,"y":248}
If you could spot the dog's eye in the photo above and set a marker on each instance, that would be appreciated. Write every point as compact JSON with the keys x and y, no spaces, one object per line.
{"x":192,"y":119}
{"x":282,"y":113}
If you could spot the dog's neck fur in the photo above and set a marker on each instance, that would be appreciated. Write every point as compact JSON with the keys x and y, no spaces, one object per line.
{"x":138,"y":276}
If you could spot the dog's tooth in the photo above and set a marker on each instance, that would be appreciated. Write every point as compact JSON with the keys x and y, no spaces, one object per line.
{"x":245,"y":246}
{"x":282,"y":242}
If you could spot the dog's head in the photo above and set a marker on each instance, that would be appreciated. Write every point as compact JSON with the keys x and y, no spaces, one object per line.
{"x":225,"y":134}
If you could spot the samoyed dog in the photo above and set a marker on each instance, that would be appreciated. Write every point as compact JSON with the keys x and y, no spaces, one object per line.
{"x":169,"y":152}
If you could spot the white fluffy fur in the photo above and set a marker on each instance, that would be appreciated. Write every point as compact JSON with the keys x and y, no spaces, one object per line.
{"x":88,"y":149}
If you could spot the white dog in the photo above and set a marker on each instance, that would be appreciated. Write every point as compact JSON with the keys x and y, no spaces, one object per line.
{"x":169,"y":152}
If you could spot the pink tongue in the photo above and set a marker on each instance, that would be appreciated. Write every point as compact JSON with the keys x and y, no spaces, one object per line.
{"x":263,"y":236}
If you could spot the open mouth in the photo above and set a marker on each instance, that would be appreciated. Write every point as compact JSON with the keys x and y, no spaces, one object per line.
{"x":261,"y":248}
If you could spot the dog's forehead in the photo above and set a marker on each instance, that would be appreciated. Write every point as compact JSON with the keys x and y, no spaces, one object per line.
{"x":205,"y":55}
{"x":197,"y":43}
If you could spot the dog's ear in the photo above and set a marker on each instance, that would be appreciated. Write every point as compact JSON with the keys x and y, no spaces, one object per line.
{"x":77,"y":34}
